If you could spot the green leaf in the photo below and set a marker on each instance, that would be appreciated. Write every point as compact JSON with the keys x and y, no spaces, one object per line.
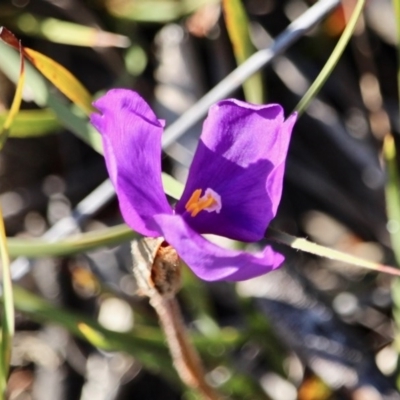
{"x":62,"y":79}
{"x":58,"y":75}
{"x":69,"y":116}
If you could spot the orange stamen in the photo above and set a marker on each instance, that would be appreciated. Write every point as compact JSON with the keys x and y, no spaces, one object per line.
{"x":191,"y":205}
{"x":196,"y":204}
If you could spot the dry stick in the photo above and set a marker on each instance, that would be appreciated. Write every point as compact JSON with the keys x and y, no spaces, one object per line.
{"x":157,"y":269}
{"x":186,"y":359}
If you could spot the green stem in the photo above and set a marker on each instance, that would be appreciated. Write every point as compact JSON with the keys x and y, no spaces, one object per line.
{"x":332,"y":61}
{"x":322,"y":251}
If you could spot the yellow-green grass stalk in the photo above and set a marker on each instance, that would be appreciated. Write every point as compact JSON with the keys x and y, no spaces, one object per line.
{"x":237,"y":25}
{"x":392,"y":195}
{"x":7,"y":311}
{"x":393,"y":201}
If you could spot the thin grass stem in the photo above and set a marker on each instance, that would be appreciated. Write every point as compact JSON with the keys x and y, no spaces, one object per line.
{"x":7,"y":311}
{"x":332,"y":61}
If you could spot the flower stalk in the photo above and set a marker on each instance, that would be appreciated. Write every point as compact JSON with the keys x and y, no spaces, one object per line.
{"x":157,"y":269}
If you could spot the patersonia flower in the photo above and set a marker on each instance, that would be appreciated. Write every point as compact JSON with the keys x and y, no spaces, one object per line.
{"x":233,"y":188}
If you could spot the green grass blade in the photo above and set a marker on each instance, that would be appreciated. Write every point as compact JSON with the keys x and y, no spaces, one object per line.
{"x":333,"y":59}
{"x":322,"y":251}
{"x":237,"y":25}
{"x":392,"y":194}
{"x":65,"y":32}
{"x":172,"y":187}
{"x":16,"y":103}
{"x":37,"y":85}
{"x":392,"y":197}
{"x":155,"y":11}
{"x":396,"y":6}
{"x":85,"y":241}
{"x":7,"y":311}
{"x":147,"y":345}
{"x":72,"y":245}
{"x":69,"y":116}
{"x":56,"y":73}
{"x":32,"y":123}
{"x":77,"y":123}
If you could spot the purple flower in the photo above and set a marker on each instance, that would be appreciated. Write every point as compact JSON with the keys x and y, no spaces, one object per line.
{"x":233,"y":188}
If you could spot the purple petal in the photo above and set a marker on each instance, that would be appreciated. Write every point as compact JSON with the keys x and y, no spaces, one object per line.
{"x":211,"y":262}
{"x":132,"y":148}
{"x":241,"y":156}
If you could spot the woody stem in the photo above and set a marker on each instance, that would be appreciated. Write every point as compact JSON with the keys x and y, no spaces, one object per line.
{"x":186,"y":360}
{"x":157,"y":269}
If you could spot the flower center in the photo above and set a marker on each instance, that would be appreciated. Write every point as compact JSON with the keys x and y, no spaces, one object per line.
{"x":211,"y":201}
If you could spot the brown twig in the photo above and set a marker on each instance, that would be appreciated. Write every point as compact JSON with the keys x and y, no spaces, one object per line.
{"x":157,"y":269}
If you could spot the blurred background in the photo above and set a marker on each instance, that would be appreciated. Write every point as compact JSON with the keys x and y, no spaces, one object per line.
{"x":313,"y":330}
